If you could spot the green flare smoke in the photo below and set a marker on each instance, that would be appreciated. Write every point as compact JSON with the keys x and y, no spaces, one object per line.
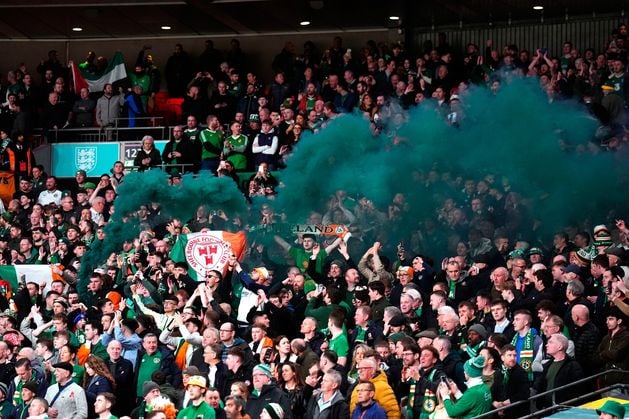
{"x":175,"y":201}
{"x":514,"y":134}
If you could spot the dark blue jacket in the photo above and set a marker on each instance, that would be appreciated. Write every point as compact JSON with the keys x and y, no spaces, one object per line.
{"x":372,"y":411}
{"x":96,"y":387}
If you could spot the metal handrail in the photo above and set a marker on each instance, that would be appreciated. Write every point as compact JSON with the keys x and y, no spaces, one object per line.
{"x":139,"y":118}
{"x":102,"y":132}
{"x":162,"y":166}
{"x":70,"y":130}
{"x":567,"y":403}
{"x":551,"y":392}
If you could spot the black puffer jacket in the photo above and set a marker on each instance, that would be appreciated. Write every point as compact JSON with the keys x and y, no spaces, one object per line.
{"x":270,"y":393}
{"x":586,"y":340}
{"x":569,"y":372}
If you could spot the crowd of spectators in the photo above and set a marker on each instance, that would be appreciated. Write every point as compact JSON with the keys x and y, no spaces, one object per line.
{"x":467,"y":313}
{"x":378,"y":80}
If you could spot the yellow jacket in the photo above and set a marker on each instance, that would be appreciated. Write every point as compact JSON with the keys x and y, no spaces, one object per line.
{"x":385,"y":396}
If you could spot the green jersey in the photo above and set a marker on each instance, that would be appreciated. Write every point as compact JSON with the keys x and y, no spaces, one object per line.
{"x":236,"y":154}
{"x":212,"y":143}
{"x":618,"y":82}
{"x":302,"y":258}
{"x":203,"y":410}
{"x":148,"y":365}
{"x":192,"y":134}
{"x":340,"y":345}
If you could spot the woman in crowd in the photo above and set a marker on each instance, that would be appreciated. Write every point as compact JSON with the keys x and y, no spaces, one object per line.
{"x":240,"y":389}
{"x":284,"y":353}
{"x":97,"y":379}
{"x":290,"y":382}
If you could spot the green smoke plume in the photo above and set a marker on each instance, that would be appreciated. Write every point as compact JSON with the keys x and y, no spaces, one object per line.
{"x":516,"y":133}
{"x":176,"y":201}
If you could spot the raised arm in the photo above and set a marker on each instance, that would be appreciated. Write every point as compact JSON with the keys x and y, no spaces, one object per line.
{"x":281,"y":242}
{"x":333,"y":246}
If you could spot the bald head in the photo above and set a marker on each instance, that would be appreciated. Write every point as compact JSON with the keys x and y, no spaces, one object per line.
{"x":298,"y":345}
{"x":580,"y":314}
{"x":28,"y":353}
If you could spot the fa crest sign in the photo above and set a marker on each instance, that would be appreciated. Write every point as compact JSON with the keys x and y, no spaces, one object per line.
{"x":205,"y":253}
{"x":85,"y":158}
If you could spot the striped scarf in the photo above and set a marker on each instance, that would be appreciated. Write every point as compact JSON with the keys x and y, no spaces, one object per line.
{"x":526,"y":351}
{"x":411,"y":397}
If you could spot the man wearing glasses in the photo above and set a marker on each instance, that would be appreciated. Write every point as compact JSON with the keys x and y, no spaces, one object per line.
{"x":367,"y":406}
{"x":368,"y":372}
{"x":227,"y":335}
{"x":420,"y":378}
{"x":179,"y":152}
{"x":170,"y":307}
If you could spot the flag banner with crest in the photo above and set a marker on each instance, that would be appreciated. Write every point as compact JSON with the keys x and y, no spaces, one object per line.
{"x":207,"y":251}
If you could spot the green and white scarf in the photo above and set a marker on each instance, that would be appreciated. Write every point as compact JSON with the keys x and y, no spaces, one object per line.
{"x":526,"y":352}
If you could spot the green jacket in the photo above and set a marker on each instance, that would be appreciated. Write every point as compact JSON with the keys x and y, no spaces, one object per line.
{"x":475,"y":401}
{"x":203,"y":410}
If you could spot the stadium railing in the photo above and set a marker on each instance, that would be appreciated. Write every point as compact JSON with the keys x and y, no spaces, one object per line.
{"x":568,"y":403}
{"x":153,"y":125}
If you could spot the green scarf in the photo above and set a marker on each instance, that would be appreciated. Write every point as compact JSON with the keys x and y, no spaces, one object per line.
{"x":360,"y":334}
{"x":452,"y":291}
{"x":174,"y":159}
{"x":17,"y":395}
{"x":526,"y":352}
{"x":473,"y":351}
{"x":411,"y":398}
{"x":430,"y":399}
{"x":505,"y":375}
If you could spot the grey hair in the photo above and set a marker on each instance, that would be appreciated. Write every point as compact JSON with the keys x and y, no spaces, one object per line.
{"x":335,"y":376}
{"x":392,"y":311}
{"x":563,"y":341}
{"x":576,"y":288}
{"x":447,"y":343}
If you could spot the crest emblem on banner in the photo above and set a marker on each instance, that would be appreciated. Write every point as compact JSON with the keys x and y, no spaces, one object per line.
{"x":85,"y":158}
{"x":205,"y":253}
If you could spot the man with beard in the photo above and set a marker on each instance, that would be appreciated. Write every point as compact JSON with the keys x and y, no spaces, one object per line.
{"x":420,"y":379}
{"x":21,"y":159}
{"x":179,"y":152}
{"x":516,"y":383}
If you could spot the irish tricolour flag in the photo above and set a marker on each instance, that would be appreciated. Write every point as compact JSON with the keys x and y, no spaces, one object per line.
{"x":207,"y":251}
{"x":32,"y":273}
{"x":96,"y":82}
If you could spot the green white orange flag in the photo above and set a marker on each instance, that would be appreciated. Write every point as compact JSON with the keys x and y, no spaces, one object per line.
{"x":32,"y":273}
{"x":207,"y":251}
{"x":96,"y":82}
